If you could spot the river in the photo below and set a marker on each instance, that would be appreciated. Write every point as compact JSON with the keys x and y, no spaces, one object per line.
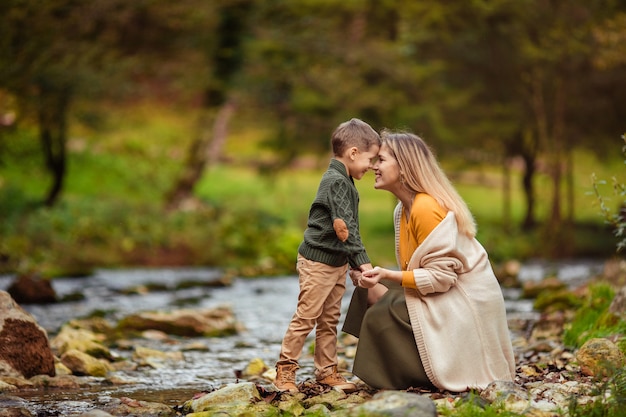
{"x":262,"y":305}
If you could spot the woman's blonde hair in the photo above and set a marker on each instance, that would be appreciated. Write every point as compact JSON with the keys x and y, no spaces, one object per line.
{"x":420,"y":172}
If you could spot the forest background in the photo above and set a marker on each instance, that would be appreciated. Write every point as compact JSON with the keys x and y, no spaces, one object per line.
{"x":194,"y":132}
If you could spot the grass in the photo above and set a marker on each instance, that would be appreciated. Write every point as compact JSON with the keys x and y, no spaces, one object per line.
{"x":594,"y":319}
{"x":122,"y":161}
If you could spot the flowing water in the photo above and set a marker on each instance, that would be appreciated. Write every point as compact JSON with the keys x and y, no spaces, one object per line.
{"x":262,"y":305}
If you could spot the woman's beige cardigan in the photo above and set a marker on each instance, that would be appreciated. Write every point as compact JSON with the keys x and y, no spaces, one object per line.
{"x":457,"y":311}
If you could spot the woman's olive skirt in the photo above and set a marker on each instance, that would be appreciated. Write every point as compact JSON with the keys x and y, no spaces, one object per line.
{"x":386,"y":356}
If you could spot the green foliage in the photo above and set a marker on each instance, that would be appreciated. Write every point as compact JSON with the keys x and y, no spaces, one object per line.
{"x":112,"y":215}
{"x":615,"y":218}
{"x":473,"y":406}
{"x":610,"y":398}
{"x":592,"y":319}
{"x":556,"y":301}
{"x":75,"y":236}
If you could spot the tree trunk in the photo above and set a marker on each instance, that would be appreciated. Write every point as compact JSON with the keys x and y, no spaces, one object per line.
{"x":529,"y":190}
{"x":506,"y":193}
{"x":220,"y":130}
{"x":52,"y":115}
{"x":557,"y":155}
{"x":204,"y":151}
{"x":526,"y":146}
{"x":226,"y":60}
{"x":569,"y":175}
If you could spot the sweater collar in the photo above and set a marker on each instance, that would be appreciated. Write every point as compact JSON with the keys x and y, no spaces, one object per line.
{"x":339,"y":166}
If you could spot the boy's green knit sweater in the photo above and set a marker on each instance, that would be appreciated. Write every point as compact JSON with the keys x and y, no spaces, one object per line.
{"x":337,"y":198}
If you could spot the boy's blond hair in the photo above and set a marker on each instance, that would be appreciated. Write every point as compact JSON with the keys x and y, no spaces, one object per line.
{"x":353,"y":133}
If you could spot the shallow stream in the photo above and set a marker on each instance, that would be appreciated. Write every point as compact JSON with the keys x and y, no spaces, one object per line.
{"x":262,"y":305}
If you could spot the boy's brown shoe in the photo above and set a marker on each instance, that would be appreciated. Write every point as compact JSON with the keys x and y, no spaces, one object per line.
{"x":337,"y":381}
{"x":286,"y":378}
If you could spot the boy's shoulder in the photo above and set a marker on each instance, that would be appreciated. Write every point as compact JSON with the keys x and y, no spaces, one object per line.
{"x":336,"y":168}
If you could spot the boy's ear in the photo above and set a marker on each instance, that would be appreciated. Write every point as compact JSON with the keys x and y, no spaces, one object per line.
{"x":352,"y":152}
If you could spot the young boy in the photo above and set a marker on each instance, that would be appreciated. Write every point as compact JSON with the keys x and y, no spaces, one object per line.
{"x":331,"y":245}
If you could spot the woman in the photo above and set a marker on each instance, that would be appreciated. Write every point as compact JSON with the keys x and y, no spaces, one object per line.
{"x":440,"y":321}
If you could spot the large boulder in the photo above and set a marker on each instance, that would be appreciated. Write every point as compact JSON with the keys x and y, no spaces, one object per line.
{"x":24,"y":347}
{"x":218,"y":321}
{"x":396,"y":404}
{"x":32,"y":289}
{"x":599,"y":357}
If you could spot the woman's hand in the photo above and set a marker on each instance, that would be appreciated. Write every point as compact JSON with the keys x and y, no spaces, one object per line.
{"x":371,"y":277}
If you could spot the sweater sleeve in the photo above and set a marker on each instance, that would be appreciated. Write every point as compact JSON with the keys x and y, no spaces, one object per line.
{"x":347,"y":217}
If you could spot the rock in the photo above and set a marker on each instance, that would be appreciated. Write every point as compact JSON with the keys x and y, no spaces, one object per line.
{"x":396,"y":404}
{"x":155,"y":358}
{"x":618,"y":305}
{"x":24,"y":348}
{"x":615,"y":271}
{"x":318,"y":410}
{"x":83,"y":364}
{"x":508,"y":394}
{"x":219,"y":321}
{"x":558,"y":396}
{"x":97,"y":325}
{"x":232,"y":399}
{"x":5,"y":386}
{"x":18,"y":382}
{"x":599,"y":357}
{"x":83,"y":340}
{"x":155,"y":335}
{"x":532,"y":289}
{"x":15,"y":412}
{"x":292,"y":406}
{"x":508,"y":273}
{"x":61,"y":369}
{"x":548,"y":328}
{"x":96,"y":413}
{"x":13,"y":407}
{"x":256,"y":367}
{"x":32,"y":289}
{"x":129,"y":407}
{"x":329,"y":398}
{"x":65,"y":382}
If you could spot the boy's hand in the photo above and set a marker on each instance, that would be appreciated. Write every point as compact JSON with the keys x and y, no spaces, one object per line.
{"x":355,"y":276}
{"x":358,"y":273}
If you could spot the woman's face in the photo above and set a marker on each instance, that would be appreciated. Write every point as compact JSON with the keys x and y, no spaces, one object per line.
{"x":387,"y":170}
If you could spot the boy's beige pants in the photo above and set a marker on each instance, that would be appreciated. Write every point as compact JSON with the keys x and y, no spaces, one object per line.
{"x":319,"y":306}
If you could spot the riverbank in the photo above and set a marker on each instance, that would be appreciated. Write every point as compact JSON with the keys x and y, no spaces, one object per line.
{"x":546,"y":369}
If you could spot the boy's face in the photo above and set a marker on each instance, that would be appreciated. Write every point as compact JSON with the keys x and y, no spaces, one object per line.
{"x":361,"y":162}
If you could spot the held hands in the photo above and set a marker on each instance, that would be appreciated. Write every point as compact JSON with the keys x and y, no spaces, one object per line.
{"x":371,"y":277}
{"x":367,"y":278}
{"x":356,"y":275}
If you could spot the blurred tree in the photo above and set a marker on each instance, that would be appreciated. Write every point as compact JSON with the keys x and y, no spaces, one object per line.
{"x":314,"y":64}
{"x":44,"y":50}
{"x":54,"y":52}
{"x":555,"y":50}
{"x":518,"y":74}
{"x":222,"y":49}
{"x":492,"y":80}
